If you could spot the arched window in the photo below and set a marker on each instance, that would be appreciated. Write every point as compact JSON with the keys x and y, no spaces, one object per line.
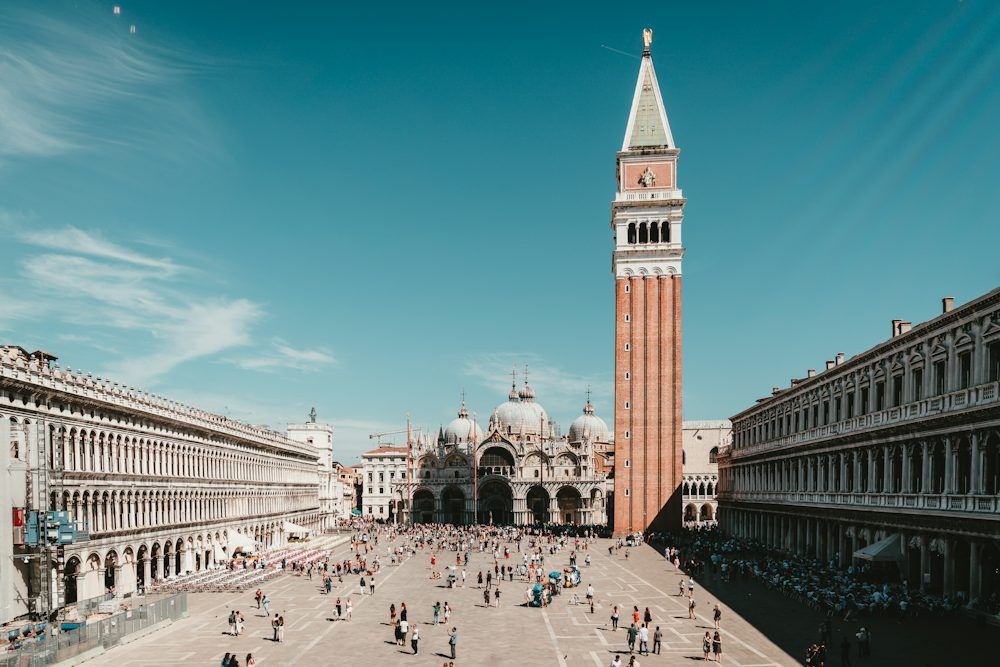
{"x":643,"y":233}
{"x":631,"y":232}
{"x":665,"y":232}
{"x":713,"y":455}
{"x":684,"y":457}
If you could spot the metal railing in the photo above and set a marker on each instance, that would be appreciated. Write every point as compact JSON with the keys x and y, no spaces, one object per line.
{"x":103,"y":634}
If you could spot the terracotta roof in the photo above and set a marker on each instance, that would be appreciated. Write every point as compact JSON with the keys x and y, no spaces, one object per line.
{"x":387,"y":450}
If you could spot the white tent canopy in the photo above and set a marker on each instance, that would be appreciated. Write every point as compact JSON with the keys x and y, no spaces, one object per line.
{"x":884,"y":551}
{"x":240,"y":542}
{"x":220,"y":555}
{"x":294,"y":528}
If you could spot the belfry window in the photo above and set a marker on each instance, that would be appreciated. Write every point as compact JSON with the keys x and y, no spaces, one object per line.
{"x":643,"y":233}
{"x":654,"y":232}
{"x":631,"y":232}
{"x":665,"y":232}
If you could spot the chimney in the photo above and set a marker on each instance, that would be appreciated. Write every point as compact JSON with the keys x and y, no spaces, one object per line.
{"x":895,"y":328}
{"x":904,"y":327}
{"x":947,"y":303}
{"x":840,"y":358}
{"x":830,"y":364}
{"x":811,"y":373}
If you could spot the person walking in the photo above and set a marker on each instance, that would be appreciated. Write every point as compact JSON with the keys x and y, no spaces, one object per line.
{"x":614,"y":618}
{"x":415,"y":639}
{"x":239,"y":622}
{"x":371,"y":584}
{"x":274,"y":627}
{"x":363,"y":584}
{"x":232,"y":622}
{"x":350,"y":609}
{"x":717,"y":615}
{"x":453,"y":642}
{"x":657,"y":640}
{"x":633,"y":632}
{"x":647,"y":617}
{"x":717,"y":646}
{"x":266,"y":603}
{"x":404,"y":627}
{"x":338,"y":609}
{"x":251,"y":661}
{"x":690,"y":587}
{"x":281,"y":628}
{"x":617,"y":662}
{"x":643,"y":639}
{"x":496,"y":594}
{"x":845,"y":652}
{"x":486,"y":597}
{"x":691,"y":604}
{"x":437,"y":613}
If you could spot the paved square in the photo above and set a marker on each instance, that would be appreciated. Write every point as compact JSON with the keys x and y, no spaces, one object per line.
{"x":561,"y":634}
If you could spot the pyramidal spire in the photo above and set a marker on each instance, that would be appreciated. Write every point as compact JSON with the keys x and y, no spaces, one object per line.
{"x":647,"y":121}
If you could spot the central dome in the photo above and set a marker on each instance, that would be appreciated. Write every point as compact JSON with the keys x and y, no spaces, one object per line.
{"x":520,"y":415}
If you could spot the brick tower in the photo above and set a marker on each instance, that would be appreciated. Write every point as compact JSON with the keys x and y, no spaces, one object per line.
{"x":646,"y":215}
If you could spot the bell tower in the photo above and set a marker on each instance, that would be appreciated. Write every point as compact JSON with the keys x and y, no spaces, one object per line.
{"x":646,"y":217}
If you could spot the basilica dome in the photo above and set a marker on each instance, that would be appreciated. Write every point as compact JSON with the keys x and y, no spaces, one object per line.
{"x":462,"y":429}
{"x":588,"y":426}
{"x":521,"y":415}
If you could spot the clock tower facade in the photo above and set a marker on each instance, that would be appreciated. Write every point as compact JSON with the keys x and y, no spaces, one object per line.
{"x":647,"y":216}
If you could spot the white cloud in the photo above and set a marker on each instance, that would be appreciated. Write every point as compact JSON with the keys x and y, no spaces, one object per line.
{"x":81,"y":79}
{"x":160,"y":318}
{"x":282,"y":355}
{"x":71,"y":239}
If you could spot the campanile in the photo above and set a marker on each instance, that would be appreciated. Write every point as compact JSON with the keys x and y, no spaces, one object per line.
{"x":647,"y":216}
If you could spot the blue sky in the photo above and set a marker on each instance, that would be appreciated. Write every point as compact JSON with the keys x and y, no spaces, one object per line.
{"x":256,"y":208}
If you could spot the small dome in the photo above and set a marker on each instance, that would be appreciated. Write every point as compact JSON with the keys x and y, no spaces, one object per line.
{"x":462,"y":429}
{"x":588,"y":426}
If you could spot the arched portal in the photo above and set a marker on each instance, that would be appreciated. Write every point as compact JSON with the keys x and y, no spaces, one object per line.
{"x":140,"y":567}
{"x":453,"y":505}
{"x":110,"y":571}
{"x":690,"y":513}
{"x":496,"y":503}
{"x":706,"y":512}
{"x":70,"y":573}
{"x":423,"y":506}
{"x":538,"y":504}
{"x":570,"y":505}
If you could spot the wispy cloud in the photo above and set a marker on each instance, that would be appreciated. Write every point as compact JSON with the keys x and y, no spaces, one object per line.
{"x":81,"y":242}
{"x":150,"y":304}
{"x":81,"y":79}
{"x":282,"y":356}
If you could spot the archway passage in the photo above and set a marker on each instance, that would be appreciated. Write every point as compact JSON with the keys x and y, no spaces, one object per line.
{"x":706,"y":512}
{"x":453,"y":505}
{"x":140,"y":567}
{"x":570,"y":505}
{"x":496,"y":503}
{"x":110,"y":571}
{"x":423,"y":506}
{"x":690,"y":513}
{"x":70,"y":572}
{"x":538,"y":504}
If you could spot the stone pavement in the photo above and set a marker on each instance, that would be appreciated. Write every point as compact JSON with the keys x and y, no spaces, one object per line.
{"x":561,"y":634}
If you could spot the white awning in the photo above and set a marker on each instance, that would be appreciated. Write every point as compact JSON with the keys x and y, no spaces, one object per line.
{"x":220,"y":555}
{"x":886,"y":550}
{"x":239,"y":542}
{"x":295,"y":528}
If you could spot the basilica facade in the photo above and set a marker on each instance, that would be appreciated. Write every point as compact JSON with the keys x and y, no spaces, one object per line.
{"x":519,"y":470}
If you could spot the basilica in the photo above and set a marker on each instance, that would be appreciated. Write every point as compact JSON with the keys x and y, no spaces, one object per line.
{"x":520,"y":470}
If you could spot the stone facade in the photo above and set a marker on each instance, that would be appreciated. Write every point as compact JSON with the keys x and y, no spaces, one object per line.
{"x":154,"y":487}
{"x":523,"y":473}
{"x":900,"y":440}
{"x":703,"y":440}
{"x":647,"y":215}
{"x":380,"y":468}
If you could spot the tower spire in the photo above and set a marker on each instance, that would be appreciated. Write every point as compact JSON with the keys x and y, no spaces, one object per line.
{"x":647,"y":121}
